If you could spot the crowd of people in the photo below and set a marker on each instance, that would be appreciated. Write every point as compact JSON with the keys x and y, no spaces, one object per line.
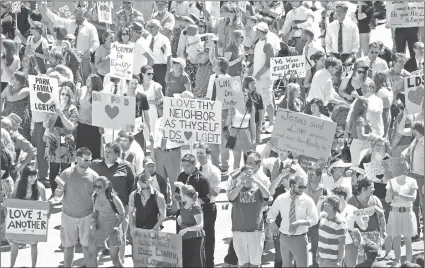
{"x":108,"y":188}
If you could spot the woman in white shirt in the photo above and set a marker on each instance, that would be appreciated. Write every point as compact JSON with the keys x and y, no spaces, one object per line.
{"x":375,"y":108}
{"x":239,"y":125}
{"x":383,"y":91}
{"x":9,"y":62}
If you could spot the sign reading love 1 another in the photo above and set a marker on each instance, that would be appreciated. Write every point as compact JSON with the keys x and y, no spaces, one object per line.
{"x":121,"y":57}
{"x":114,"y":111}
{"x":229,"y":91}
{"x":44,"y":93}
{"x":304,"y":134}
{"x":27,"y":220}
{"x":382,"y":171}
{"x":414,"y":86}
{"x":192,"y":121}
{"x":287,"y":67}
{"x":157,"y":249}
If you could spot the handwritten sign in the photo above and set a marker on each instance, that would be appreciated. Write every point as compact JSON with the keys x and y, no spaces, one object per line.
{"x":104,"y":11}
{"x":157,"y":249}
{"x":122,"y":61}
{"x":382,"y":171}
{"x":16,"y":7}
{"x":414,"y":86}
{"x":64,"y":9}
{"x":365,"y":212}
{"x":287,"y":67}
{"x":44,"y":93}
{"x":403,"y":14}
{"x":304,"y":134}
{"x":26,"y":220}
{"x":192,"y":121}
{"x":229,"y":91}
{"x":113,"y":111}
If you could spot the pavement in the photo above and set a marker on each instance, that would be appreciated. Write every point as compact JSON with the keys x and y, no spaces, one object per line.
{"x":50,"y":254}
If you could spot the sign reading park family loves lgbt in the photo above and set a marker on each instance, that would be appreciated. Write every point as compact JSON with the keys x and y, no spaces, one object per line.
{"x":304,"y":134}
{"x":44,"y":93}
{"x":113,"y":111}
{"x":287,"y":67}
{"x":121,"y":57}
{"x":403,"y":14}
{"x":229,"y":91}
{"x":26,"y":220}
{"x":414,"y":87}
{"x":192,"y":121}
{"x":156,"y":249}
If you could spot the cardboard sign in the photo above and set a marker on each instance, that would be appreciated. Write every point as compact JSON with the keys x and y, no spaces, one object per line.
{"x":403,"y":14}
{"x":414,"y":87}
{"x":27,"y":220}
{"x":365,"y":212}
{"x":157,"y":249}
{"x":16,"y":7}
{"x":229,"y":91}
{"x":385,"y":170}
{"x":304,"y":134}
{"x":104,"y":11}
{"x":287,"y":67}
{"x":122,"y":61}
{"x":44,"y":93}
{"x":113,"y":111}
{"x":192,"y":121}
{"x":347,"y":71}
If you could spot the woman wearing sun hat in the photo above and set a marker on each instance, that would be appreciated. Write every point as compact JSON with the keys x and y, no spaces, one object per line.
{"x":335,"y":176}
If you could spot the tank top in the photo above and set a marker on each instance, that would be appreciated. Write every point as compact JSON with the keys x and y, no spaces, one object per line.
{"x":146,"y":215}
{"x":349,"y":89}
{"x":238,"y":117}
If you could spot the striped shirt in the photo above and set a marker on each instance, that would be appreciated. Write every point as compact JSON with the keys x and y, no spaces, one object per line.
{"x":329,"y":232}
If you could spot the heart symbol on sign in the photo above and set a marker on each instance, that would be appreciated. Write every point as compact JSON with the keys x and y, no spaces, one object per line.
{"x":416,"y":96}
{"x":380,"y":176}
{"x":44,"y":97}
{"x":112,"y":112}
{"x":188,"y":135}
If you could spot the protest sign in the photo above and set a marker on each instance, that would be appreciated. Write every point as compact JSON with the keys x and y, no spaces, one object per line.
{"x":403,"y":14}
{"x":242,"y":5}
{"x":192,"y":121}
{"x":44,"y":93}
{"x":229,"y":91}
{"x":292,"y":67}
{"x":113,"y":111}
{"x":382,"y":171}
{"x":26,"y":220}
{"x":64,"y":9}
{"x":156,"y":249}
{"x":365,"y":212}
{"x":121,"y":57}
{"x":414,"y":88}
{"x":104,"y":11}
{"x":304,"y":134}
{"x":16,"y":7}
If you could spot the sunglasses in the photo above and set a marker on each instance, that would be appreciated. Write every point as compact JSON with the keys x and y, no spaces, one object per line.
{"x":361,"y":72}
{"x":97,"y":186}
{"x":64,"y":94}
{"x":145,"y":188}
{"x":150,"y":74}
{"x":301,"y":187}
{"x":125,"y":34}
{"x":70,"y":40}
{"x":86,"y":160}
{"x":374,"y":52}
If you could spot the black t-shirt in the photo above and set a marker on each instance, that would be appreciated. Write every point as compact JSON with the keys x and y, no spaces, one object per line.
{"x":380,"y":190}
{"x":257,"y":100}
{"x":7,"y":25}
{"x":22,"y":21}
{"x":141,"y":104}
{"x":364,"y":24}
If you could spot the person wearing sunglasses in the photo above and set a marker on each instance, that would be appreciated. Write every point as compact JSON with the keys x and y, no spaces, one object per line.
{"x":124,"y":36}
{"x":350,"y":87}
{"x":299,"y":212}
{"x":373,"y":61}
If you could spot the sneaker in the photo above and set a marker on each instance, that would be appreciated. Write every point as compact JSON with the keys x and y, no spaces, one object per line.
{"x":389,"y":256}
{"x":416,"y":237}
{"x":105,"y":252}
{"x":224,"y":171}
{"x":269,"y":129}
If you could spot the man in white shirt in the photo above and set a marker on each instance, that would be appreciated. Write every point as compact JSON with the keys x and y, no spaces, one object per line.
{"x":213,"y":176}
{"x":161,"y":49}
{"x":87,"y":39}
{"x":141,"y":52}
{"x":342,"y":36}
{"x":310,"y":48}
{"x":298,"y":212}
{"x":115,"y":86}
{"x":131,"y":151}
{"x":322,"y":85}
{"x":374,"y":62}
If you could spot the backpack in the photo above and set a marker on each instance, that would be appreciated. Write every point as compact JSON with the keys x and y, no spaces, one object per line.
{"x":111,"y":202}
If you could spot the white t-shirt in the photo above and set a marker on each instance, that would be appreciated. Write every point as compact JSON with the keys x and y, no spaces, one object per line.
{"x":374,"y":114}
{"x":404,"y":189}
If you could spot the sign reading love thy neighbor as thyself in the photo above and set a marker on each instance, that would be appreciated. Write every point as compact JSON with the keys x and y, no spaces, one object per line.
{"x":114,"y":111}
{"x":382,"y":171}
{"x":121,"y":58}
{"x":229,"y":91}
{"x":304,"y":134}
{"x":27,"y":220}
{"x":44,"y":93}
{"x":287,"y":67}
{"x":192,"y":121}
{"x":414,"y":88}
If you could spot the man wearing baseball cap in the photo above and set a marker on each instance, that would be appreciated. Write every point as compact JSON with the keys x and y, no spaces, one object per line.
{"x":342,"y":37}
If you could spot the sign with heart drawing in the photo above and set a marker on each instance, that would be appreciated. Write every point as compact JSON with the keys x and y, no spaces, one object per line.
{"x":44,"y":94}
{"x":114,"y":111}
{"x":382,"y":171}
{"x":414,"y":87}
{"x":192,"y":121}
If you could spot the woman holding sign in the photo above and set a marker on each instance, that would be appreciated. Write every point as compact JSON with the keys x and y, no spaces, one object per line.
{"x":27,"y":188}
{"x":401,"y":192}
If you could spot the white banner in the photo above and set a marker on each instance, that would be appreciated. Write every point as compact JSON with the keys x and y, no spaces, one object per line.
{"x":44,"y":93}
{"x":121,"y":57}
{"x":287,"y":67}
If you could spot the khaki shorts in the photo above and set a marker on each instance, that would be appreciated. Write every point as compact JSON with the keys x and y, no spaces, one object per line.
{"x":265,"y":88}
{"x":249,"y":246}
{"x":74,"y":228}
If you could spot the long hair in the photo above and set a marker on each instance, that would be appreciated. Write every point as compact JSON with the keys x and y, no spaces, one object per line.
{"x":360,"y":108}
{"x":7,"y":144}
{"x":10,"y":48}
{"x":319,"y":104}
{"x":96,"y":84}
{"x":34,"y":69}
{"x":233,"y":45}
{"x":291,"y":89}
{"x":60,"y":31}
{"x":109,"y":190}
{"x":381,"y":80}
{"x":143,"y":70}
{"x":69,"y":90}
{"x":21,"y":191}
{"x":126,"y":30}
